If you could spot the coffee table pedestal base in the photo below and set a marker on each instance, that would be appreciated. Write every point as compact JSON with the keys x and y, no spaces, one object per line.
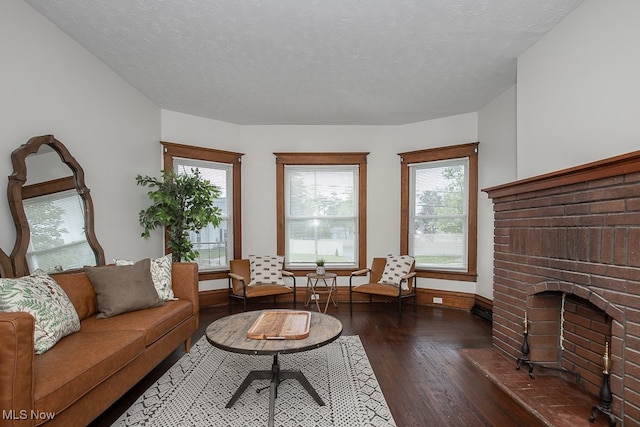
{"x":276,"y":376}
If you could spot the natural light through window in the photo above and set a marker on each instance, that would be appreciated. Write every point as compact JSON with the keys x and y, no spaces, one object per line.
{"x":439,"y":211}
{"x":57,"y":233}
{"x":321,"y":205}
{"x":439,"y":222}
{"x":214,"y":244}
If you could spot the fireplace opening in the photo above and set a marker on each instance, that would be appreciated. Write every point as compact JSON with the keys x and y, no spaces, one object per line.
{"x":568,"y":334}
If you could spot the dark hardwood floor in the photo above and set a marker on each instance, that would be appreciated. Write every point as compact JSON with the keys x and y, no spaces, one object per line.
{"x":424,"y":378}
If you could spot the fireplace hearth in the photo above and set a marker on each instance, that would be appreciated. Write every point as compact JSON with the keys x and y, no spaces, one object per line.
{"x":567,"y":253}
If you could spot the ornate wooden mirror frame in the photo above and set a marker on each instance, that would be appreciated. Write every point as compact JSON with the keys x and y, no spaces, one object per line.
{"x":6,"y":270}
{"x":17,"y":191}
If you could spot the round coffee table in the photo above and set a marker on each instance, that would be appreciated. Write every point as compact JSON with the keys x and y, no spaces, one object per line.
{"x":230,"y":334}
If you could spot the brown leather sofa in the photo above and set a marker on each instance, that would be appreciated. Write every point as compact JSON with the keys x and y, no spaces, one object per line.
{"x":87,"y":371}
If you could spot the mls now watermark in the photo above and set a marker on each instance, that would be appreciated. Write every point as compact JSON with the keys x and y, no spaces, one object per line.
{"x":24,"y":414}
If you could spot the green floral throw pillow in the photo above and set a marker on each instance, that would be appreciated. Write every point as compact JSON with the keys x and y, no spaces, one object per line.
{"x":40,"y":296}
{"x":161,"y":276}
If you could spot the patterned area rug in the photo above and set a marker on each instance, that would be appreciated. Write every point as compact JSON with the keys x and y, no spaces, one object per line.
{"x":196,"y":389}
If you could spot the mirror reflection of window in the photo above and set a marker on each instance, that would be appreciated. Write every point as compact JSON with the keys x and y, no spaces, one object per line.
{"x":57,"y":235}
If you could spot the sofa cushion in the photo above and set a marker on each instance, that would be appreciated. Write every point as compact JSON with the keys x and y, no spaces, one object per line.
{"x":160,"y":274}
{"x":40,"y":296}
{"x":78,"y":288}
{"x":153,"y":322}
{"x":79,"y":363}
{"x":123,"y":289}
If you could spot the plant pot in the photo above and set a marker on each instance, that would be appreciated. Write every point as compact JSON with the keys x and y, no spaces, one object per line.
{"x":320,"y":270}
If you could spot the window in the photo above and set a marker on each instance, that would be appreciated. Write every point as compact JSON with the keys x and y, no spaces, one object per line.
{"x":440,"y":192}
{"x":216,"y":245}
{"x":57,"y":238}
{"x":322,"y":209}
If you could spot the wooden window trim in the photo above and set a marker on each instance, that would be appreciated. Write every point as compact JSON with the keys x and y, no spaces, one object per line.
{"x":48,"y":187}
{"x":347,"y":158}
{"x":171,"y":150}
{"x":430,"y":155}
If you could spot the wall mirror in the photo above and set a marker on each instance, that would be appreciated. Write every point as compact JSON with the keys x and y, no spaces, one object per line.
{"x":52,"y":210}
{"x":6,"y":270}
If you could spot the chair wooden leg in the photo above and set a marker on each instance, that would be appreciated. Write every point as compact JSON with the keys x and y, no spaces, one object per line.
{"x":187,"y":345}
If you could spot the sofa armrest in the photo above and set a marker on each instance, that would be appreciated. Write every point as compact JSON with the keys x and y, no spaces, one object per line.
{"x":184,"y":280}
{"x":16,"y":368}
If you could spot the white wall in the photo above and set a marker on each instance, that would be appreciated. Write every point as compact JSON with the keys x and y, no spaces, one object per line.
{"x":383,"y":170}
{"x":497,"y":155}
{"x":49,"y":84}
{"x":579,"y":90}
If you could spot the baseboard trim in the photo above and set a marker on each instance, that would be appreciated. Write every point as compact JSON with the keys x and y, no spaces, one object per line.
{"x":450,"y":299}
{"x":213,"y":297}
{"x":483,"y":308}
{"x":484,"y":302}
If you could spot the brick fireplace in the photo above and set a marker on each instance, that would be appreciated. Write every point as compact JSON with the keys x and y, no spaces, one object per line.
{"x":567,"y":255}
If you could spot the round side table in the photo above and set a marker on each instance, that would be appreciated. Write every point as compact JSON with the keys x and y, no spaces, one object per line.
{"x":319,"y":284}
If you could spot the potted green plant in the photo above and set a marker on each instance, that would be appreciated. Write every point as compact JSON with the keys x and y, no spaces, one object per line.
{"x":320,"y":267}
{"x":181,"y":203}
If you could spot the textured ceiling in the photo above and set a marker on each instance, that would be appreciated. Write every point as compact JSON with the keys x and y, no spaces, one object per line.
{"x":311,"y":61}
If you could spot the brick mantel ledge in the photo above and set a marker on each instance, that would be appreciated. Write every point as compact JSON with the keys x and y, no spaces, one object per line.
{"x":612,"y":166}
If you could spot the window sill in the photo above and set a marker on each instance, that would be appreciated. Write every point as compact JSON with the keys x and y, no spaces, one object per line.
{"x":448,"y":275}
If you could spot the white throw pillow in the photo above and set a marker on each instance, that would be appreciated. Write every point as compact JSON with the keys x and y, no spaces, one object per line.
{"x":160,"y":274}
{"x":266,"y":269}
{"x":55,"y":316}
{"x":395,"y":268}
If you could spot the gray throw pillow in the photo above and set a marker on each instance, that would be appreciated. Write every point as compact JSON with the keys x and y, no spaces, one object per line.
{"x":121,"y":289}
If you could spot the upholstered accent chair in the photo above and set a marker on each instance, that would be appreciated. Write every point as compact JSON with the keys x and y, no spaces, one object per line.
{"x":390,"y":277}
{"x":259,"y":276}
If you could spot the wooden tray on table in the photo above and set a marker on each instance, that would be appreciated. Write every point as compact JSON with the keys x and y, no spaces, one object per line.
{"x":280,"y":325}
